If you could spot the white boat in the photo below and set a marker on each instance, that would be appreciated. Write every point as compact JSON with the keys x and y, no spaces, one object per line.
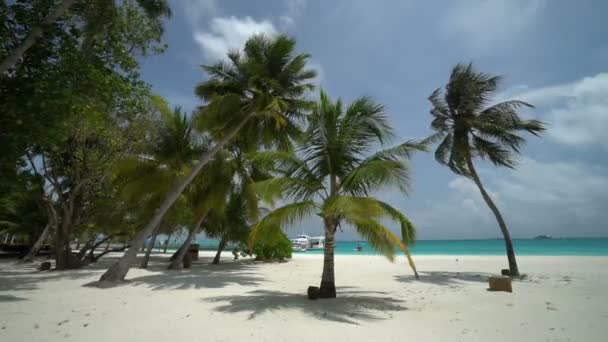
{"x":302,"y":243}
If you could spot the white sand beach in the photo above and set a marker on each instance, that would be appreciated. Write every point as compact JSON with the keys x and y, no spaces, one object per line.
{"x":564,"y":299}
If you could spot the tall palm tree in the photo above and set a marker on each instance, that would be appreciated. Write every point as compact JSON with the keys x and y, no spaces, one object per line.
{"x":470,"y":126}
{"x":334,"y":174}
{"x":96,"y":15}
{"x":260,"y":93}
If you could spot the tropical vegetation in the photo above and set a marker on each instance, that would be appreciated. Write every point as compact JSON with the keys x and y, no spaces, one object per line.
{"x":334,"y":175}
{"x":92,"y":157}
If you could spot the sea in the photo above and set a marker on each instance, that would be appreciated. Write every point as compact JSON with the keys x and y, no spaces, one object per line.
{"x":553,"y":246}
{"x":562,"y":246}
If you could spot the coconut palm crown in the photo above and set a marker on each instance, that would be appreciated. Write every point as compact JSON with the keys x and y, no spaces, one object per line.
{"x":470,"y":126}
{"x":333,"y":175}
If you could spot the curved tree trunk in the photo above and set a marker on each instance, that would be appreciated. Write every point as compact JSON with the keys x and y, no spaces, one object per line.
{"x":513,"y":269}
{"x":220,"y":249}
{"x":177,"y":261}
{"x":144,"y":263}
{"x":88,"y":245}
{"x":118,"y":249}
{"x":37,"y":31}
{"x":328,"y":279}
{"x":38,"y":244}
{"x":118,"y":271}
{"x":106,"y":239}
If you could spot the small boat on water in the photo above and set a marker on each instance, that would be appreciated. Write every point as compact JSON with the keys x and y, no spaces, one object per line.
{"x":302,"y":243}
{"x":359,"y":248}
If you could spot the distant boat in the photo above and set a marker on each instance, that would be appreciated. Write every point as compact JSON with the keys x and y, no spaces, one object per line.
{"x":359,"y":248}
{"x":543,"y":237}
{"x":302,"y":243}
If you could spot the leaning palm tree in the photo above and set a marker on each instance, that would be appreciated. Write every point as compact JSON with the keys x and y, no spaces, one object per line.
{"x":334,"y":174}
{"x":97,"y":15}
{"x":206,"y":195}
{"x":168,"y":159}
{"x":260,"y":92}
{"x":469,"y":127}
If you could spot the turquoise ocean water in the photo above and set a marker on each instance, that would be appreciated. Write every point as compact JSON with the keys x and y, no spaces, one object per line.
{"x":557,"y":246}
{"x":570,"y":246}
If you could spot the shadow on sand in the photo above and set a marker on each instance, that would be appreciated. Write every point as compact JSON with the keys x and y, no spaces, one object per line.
{"x":26,"y":277}
{"x":446,"y":278}
{"x":350,"y":307}
{"x":200,"y":276}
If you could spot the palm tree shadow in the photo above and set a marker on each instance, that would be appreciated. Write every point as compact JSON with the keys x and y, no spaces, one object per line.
{"x":350,"y":307}
{"x":203,"y":276}
{"x":445,"y":278}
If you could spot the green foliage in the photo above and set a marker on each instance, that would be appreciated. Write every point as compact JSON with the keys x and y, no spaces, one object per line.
{"x":334,"y":172}
{"x":75,"y":105}
{"x":22,"y":208}
{"x":263,"y":85}
{"x":468,"y":125}
{"x":276,"y":249}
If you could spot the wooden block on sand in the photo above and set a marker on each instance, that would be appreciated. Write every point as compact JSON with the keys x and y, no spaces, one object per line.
{"x":500,"y":283}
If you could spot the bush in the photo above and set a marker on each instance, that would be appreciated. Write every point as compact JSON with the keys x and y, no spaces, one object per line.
{"x":277,"y":249}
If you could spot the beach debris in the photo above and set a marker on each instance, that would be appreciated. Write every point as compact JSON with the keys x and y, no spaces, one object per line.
{"x":85,"y":325}
{"x":36,"y":326}
{"x":550,"y":306}
{"x":505,"y":272}
{"x":313,"y":292}
{"x":45,"y":266}
{"x":500,"y":283}
{"x":62,"y":322}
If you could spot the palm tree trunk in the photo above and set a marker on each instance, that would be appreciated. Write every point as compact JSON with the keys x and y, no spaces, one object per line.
{"x":37,"y":31}
{"x":328,"y":279}
{"x":118,"y":271}
{"x":38,"y":244}
{"x":220,"y":249}
{"x":144,"y":263}
{"x":166,"y":244}
{"x":513,"y":269}
{"x":176,"y":263}
{"x":88,"y":245}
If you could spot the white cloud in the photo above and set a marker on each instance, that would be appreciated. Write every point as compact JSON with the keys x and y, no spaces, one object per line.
{"x":577,"y":112}
{"x":490,"y":22}
{"x":556,"y":198}
{"x":230,"y":33}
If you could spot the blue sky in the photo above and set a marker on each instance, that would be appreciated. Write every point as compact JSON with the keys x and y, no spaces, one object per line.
{"x":554,"y":54}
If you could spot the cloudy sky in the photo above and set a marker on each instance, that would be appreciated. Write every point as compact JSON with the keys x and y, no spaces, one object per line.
{"x":554,"y":55}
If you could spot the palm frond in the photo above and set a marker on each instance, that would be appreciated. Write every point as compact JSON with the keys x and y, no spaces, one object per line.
{"x":408,"y":232}
{"x":281,"y":217}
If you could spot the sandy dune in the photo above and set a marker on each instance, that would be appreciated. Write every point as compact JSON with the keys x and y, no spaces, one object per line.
{"x":564,"y":299}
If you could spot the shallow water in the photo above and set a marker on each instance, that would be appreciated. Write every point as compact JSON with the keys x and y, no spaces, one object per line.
{"x":565,"y":246}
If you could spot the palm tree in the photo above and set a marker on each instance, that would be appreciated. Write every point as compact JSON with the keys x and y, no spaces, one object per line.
{"x":207,"y":194}
{"x":97,"y":14}
{"x":259,"y":92}
{"x":232,"y":224}
{"x":333,"y":174}
{"x":469,"y":126}
{"x":169,"y":158}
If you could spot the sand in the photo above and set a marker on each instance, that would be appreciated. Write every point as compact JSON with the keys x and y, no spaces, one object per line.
{"x":564,"y":299}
